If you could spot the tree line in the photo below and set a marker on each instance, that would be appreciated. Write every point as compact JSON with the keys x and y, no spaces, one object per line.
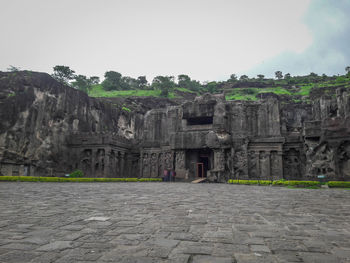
{"x":114,"y":80}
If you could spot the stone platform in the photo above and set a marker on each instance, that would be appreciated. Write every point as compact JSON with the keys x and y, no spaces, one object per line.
{"x":172,"y":222}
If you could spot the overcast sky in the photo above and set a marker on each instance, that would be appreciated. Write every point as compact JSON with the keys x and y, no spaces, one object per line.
{"x":206,"y":39}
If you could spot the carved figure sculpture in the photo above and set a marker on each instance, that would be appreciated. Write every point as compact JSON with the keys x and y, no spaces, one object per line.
{"x":180,"y":160}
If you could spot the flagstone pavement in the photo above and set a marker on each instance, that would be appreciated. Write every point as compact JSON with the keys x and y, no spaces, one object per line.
{"x":172,"y":222}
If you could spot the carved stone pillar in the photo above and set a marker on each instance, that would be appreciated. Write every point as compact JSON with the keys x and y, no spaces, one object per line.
{"x":107,"y":163}
{"x":154,"y":165}
{"x":160,"y":164}
{"x":122,"y":164}
{"x":145,"y":163}
{"x":219,"y":160}
{"x":94,"y":160}
{"x":257,"y":160}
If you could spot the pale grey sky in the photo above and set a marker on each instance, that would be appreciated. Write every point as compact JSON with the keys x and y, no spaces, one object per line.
{"x":206,"y":39}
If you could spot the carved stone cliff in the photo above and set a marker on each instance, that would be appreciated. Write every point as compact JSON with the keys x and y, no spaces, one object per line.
{"x":49,"y":129}
{"x":38,"y":115}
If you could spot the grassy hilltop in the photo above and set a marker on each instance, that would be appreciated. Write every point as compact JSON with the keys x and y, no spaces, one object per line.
{"x":297,"y":89}
{"x":287,"y":87}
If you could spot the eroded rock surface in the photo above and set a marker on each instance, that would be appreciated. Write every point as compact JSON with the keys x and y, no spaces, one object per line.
{"x":50,"y":129}
{"x":38,"y":114}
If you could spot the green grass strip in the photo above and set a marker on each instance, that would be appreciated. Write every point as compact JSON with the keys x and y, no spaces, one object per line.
{"x":250,"y":182}
{"x":278,"y":183}
{"x":340,"y":184}
{"x":66,"y":179}
{"x":306,"y":184}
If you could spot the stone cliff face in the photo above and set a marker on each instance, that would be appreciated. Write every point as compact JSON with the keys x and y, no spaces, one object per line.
{"x":327,"y":137}
{"x":48,"y":129}
{"x":38,"y":114}
{"x":268,"y":139}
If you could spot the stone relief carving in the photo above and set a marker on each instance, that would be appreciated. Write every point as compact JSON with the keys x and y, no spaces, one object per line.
{"x":240,"y":164}
{"x":160,"y":164}
{"x":180,"y":160}
{"x":275,"y":165}
{"x":264,"y":160}
{"x":252,"y":165}
{"x":168,"y":161}
{"x":344,"y":159}
{"x":291,"y":164}
{"x":219,"y":164}
{"x":145,"y":164}
{"x":321,"y":161}
{"x":154,"y":166}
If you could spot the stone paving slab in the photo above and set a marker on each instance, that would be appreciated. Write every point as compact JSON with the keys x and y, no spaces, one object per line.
{"x":172,"y":222}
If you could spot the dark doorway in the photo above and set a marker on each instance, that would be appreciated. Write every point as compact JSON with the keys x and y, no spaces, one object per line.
{"x":198,"y":161}
{"x":200,"y":170}
{"x":204,"y":160}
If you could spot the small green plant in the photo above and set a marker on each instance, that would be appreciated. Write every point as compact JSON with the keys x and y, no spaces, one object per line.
{"x":76,"y":173}
{"x":126,"y":109}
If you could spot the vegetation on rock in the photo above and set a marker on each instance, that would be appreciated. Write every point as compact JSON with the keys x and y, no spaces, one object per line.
{"x":294,"y":88}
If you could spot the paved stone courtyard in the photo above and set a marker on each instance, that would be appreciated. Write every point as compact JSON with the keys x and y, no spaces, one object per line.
{"x":172,"y":222}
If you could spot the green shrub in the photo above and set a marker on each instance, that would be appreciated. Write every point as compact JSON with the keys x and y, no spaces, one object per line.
{"x":9,"y":178}
{"x":282,"y":182}
{"x":77,"y":173}
{"x":340,"y":80}
{"x":250,"y":182}
{"x":296,"y":183}
{"x":340,"y":184}
{"x":74,"y":179}
{"x":150,"y":180}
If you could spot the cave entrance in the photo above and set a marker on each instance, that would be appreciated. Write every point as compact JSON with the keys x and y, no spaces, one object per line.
{"x":203,"y":165}
{"x":198,"y":161}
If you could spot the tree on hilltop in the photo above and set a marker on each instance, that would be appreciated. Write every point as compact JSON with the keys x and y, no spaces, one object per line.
{"x":94,"y":80}
{"x":82,"y":83}
{"x":164,"y":84}
{"x":63,"y":74}
{"x":184,"y":81}
{"x":142,"y":82}
{"x":278,"y":74}
{"x":347,"y":69}
{"x":244,"y":78}
{"x":112,"y":80}
{"x":233,"y":78}
{"x":261,"y":77}
{"x":13,"y":68}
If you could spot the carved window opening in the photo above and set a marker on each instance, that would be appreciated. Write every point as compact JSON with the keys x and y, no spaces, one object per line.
{"x":200,"y":121}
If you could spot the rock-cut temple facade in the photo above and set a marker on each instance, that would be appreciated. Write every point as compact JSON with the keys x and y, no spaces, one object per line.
{"x":55,"y":130}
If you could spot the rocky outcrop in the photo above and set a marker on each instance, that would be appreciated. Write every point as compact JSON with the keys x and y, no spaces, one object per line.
{"x":47,"y":128}
{"x":327,"y":137}
{"x":142,"y":104}
{"x":38,"y":114}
